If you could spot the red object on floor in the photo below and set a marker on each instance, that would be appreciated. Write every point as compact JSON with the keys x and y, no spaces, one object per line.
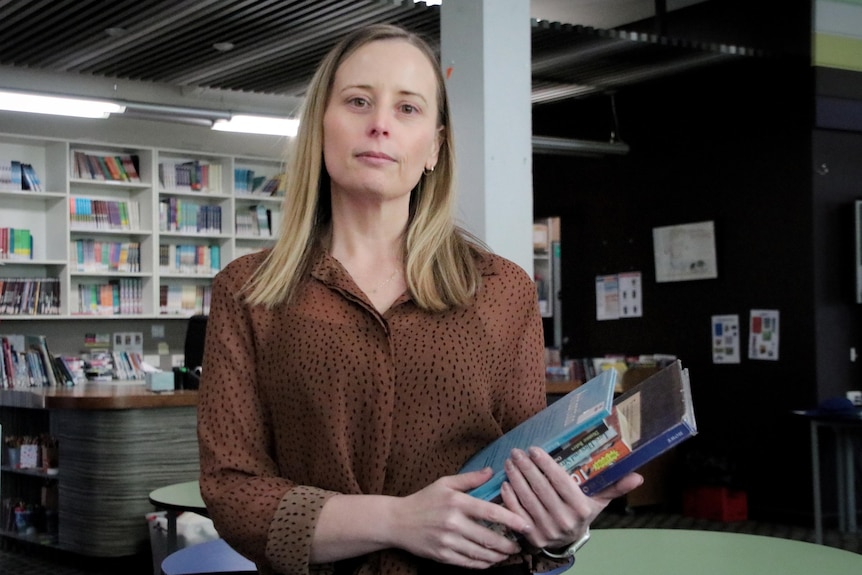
{"x":715,"y":503}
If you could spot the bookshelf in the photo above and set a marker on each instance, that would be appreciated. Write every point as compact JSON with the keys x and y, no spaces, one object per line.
{"x":126,"y":231}
{"x":547,"y":273}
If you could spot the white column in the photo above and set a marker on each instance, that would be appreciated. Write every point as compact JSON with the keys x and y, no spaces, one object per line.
{"x":485,"y":51}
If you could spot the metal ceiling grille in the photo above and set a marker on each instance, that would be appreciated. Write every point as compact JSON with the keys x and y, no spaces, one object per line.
{"x":278,"y":43}
{"x":575,"y":61}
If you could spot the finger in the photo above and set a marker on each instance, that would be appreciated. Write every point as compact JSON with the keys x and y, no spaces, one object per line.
{"x":479,"y":546}
{"x":502,"y":521}
{"x":510,"y":500}
{"x":558,"y":478}
{"x":529,"y":485}
{"x":468,"y":481}
{"x":541,"y":536}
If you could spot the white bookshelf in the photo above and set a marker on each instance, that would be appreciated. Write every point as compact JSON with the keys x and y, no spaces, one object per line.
{"x":57,"y":237}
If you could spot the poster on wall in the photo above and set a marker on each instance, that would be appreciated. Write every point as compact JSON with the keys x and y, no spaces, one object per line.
{"x":619,"y":296}
{"x":763,"y":334}
{"x":685,"y":252}
{"x":631,"y":299}
{"x":607,"y":297}
{"x":725,"y":338}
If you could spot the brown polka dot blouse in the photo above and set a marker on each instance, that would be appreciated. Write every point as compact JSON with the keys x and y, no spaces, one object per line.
{"x":327,"y":395}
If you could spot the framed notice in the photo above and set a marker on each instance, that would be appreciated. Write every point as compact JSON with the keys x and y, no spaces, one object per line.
{"x":685,"y":252}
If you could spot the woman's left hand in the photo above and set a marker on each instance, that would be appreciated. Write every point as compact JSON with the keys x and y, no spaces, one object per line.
{"x":543,"y":493}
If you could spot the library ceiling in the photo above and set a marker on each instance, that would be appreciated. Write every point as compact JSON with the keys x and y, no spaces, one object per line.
{"x":272,"y":46}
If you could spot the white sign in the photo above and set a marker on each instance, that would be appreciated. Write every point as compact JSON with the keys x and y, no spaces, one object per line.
{"x":763,"y":335}
{"x":684,"y":252}
{"x":725,"y":339}
{"x":631,"y":298}
{"x":607,"y":297}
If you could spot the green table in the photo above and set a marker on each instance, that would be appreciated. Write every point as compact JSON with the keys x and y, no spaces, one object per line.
{"x":682,"y":552}
{"x":175,"y":499}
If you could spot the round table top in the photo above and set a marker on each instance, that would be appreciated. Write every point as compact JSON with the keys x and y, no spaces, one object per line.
{"x":179,"y":497}
{"x":683,"y":552}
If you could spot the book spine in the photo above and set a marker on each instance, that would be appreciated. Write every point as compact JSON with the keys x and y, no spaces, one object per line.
{"x":490,"y":490}
{"x":640,"y":455}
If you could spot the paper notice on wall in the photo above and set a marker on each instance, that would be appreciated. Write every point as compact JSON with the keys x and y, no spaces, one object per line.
{"x":685,"y":252}
{"x":129,"y":342}
{"x":725,"y":339}
{"x":631,"y":300}
{"x":763,"y":335}
{"x":607,"y":297}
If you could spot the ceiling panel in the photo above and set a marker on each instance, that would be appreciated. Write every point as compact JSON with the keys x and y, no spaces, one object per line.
{"x":278,"y":43}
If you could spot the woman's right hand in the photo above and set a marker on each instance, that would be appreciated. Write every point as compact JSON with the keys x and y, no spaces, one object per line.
{"x":443,"y":523}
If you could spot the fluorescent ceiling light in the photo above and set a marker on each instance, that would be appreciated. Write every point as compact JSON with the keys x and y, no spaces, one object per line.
{"x":57,"y":105}
{"x":565,"y":146}
{"x":249,"y":124}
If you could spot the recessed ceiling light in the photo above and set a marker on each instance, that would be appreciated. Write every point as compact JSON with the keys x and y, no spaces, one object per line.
{"x":116,"y":31}
{"x":224,"y":46}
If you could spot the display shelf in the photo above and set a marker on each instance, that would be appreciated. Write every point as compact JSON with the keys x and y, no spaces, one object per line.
{"x":37,"y":472}
{"x":38,"y":538}
{"x":26,"y":485}
{"x":105,"y":434}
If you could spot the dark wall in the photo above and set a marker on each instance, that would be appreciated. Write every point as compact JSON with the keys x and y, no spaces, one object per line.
{"x":836,"y":181}
{"x":730,"y":144}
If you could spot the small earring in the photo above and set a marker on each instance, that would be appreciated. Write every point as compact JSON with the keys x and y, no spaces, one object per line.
{"x":427,"y":171}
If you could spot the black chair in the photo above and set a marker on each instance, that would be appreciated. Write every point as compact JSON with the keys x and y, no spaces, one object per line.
{"x":194,"y":351}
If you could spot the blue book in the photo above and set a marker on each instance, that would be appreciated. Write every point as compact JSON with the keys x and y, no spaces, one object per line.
{"x":577,"y":412}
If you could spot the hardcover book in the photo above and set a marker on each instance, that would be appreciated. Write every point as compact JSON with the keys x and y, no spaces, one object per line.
{"x":596,"y":443}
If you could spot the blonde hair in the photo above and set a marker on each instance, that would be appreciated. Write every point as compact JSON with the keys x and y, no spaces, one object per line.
{"x":440,"y":262}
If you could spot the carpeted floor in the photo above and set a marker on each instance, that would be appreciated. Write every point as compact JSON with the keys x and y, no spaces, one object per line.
{"x":23,"y":559}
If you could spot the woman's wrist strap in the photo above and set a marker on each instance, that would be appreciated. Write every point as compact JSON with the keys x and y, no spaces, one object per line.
{"x":571,"y":549}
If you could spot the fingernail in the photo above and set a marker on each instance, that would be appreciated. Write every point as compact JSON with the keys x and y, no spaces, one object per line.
{"x":517,"y":454}
{"x":534,"y":452}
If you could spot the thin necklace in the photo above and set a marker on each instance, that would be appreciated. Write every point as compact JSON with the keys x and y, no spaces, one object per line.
{"x":386,"y":281}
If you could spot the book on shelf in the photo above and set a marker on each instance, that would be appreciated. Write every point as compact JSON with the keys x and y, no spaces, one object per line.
{"x":11,"y":175}
{"x":18,"y":176}
{"x":29,"y":179}
{"x":189,"y":176}
{"x":29,"y":296}
{"x":129,"y":163}
{"x":52,"y":374}
{"x":598,"y":439}
{"x":16,"y":244}
{"x":246,"y":182}
{"x":26,"y":361}
{"x":9,"y":362}
{"x":105,"y":166}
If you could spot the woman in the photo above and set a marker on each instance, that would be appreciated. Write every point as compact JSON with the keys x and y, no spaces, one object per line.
{"x":350,"y":371}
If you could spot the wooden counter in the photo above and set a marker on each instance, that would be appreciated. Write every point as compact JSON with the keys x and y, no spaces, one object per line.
{"x":119,"y":395}
{"x":561,"y":387}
